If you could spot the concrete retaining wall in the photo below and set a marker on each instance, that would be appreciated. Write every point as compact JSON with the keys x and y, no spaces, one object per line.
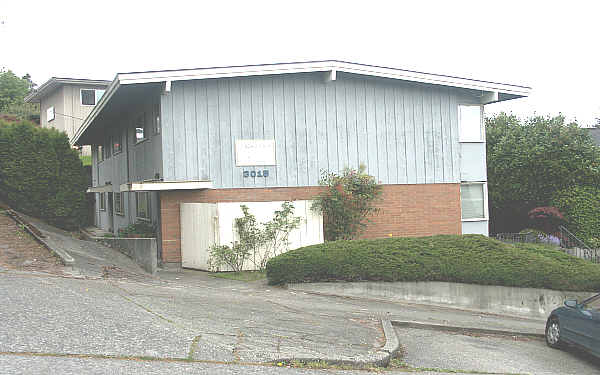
{"x":529,"y":302}
{"x":143,"y":250}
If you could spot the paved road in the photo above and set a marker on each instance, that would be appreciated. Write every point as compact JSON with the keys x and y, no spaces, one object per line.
{"x":486,"y":353}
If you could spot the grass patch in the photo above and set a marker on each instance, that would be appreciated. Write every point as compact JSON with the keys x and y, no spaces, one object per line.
{"x":240,"y":276}
{"x":473,"y":259}
{"x":86,"y":159}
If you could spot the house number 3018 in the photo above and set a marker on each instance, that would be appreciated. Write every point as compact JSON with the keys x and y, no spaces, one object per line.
{"x":263,"y":173}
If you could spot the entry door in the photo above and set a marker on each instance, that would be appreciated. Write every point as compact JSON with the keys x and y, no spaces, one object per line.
{"x":199,"y":231}
{"x":110,"y":209}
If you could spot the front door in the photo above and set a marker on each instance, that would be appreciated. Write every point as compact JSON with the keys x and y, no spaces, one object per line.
{"x":110,"y":210}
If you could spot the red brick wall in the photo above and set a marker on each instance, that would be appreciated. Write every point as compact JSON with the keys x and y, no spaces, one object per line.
{"x":406,"y":210}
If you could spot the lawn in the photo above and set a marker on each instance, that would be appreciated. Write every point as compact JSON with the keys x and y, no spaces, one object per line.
{"x":473,"y":259}
{"x":241,"y":276}
{"x":86,"y":159}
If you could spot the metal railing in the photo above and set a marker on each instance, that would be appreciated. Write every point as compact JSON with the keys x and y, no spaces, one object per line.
{"x":563,"y":239}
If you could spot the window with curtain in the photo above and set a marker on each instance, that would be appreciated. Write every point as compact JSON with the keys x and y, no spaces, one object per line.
{"x":472,"y":201}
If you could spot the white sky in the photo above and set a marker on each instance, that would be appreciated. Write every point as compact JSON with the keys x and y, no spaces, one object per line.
{"x":551,"y":46}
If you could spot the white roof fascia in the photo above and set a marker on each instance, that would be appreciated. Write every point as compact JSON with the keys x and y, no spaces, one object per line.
{"x":110,"y":91}
{"x":400,"y":74}
{"x":54,"y":82}
{"x":165,"y":185}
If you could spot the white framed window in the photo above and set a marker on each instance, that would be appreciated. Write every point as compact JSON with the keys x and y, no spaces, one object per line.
{"x":140,"y":128}
{"x":118,"y":203}
{"x":90,"y":96}
{"x":473,"y":201}
{"x":470,"y":123}
{"x":50,"y":114}
{"x":142,"y":205}
{"x":102,"y":201}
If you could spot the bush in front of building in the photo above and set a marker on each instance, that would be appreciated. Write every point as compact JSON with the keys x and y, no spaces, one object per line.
{"x":581,"y":208}
{"x":140,"y":229}
{"x":473,"y":259}
{"x":41,"y":175}
{"x":347,"y":202}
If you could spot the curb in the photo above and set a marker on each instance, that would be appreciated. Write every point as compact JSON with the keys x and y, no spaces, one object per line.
{"x":64,"y":257}
{"x":381,"y":358}
{"x":485,"y":331}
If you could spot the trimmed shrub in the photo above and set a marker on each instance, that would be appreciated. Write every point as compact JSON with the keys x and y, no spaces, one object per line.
{"x":471,"y":259}
{"x":581,"y":207}
{"x":41,"y":175}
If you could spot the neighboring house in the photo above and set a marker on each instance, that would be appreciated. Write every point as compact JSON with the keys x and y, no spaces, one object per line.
{"x":66,"y":102}
{"x":264,"y":133}
{"x":595,"y":134}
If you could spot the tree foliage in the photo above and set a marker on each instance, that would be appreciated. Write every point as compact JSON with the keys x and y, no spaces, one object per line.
{"x":12,"y":93}
{"x":347,"y":202}
{"x":41,"y":175}
{"x":581,"y":206}
{"x":529,"y":161}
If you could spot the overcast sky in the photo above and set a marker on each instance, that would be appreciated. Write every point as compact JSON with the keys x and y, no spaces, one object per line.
{"x":551,"y":46}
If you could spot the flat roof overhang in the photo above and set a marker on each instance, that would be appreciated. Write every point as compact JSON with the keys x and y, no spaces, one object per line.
{"x":126,"y":86}
{"x":165,"y":185}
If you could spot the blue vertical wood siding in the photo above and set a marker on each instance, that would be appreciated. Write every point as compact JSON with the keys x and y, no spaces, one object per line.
{"x":405,"y":133}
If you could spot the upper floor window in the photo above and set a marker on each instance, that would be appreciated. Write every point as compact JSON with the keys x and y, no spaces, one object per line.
{"x":140,"y":128}
{"x":50,"y":114}
{"x":470,"y":123}
{"x":91,"y":96}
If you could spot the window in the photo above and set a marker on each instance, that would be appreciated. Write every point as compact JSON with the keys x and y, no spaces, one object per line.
{"x":118,"y":202}
{"x":470,"y":123}
{"x":156,"y":119}
{"x":116,"y":145}
{"x":472,"y":200}
{"x":140,"y":128}
{"x":50,"y":114}
{"x":102,"y":201}
{"x":91,"y":96}
{"x":142,"y":205}
{"x":100,"y":154}
{"x":592,"y":304}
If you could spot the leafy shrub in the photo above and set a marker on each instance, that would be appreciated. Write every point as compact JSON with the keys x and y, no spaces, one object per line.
{"x":347,"y":202}
{"x":41,"y":175}
{"x":141,"y":229}
{"x":581,"y":206}
{"x":256,"y":242}
{"x":546,"y":219}
{"x":529,"y":160}
{"x":472,"y":259}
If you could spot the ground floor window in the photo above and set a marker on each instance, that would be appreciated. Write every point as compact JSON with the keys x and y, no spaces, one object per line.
{"x":472,"y":199}
{"x":142,"y":205}
{"x":102,"y":201}
{"x":118,"y":201}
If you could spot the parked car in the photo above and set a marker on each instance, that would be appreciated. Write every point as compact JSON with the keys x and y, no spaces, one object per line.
{"x":577,"y":324}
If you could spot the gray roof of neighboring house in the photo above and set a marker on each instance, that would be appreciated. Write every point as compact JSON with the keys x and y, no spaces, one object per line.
{"x":595,"y":133}
{"x":53,"y":83}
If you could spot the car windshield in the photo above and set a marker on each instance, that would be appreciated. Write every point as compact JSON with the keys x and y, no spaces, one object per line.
{"x":592,"y":303}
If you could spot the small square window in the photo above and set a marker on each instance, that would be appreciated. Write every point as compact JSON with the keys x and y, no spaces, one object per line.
{"x":140,"y":128}
{"x":91,"y":96}
{"x":118,"y":202}
{"x":470,"y":123}
{"x":472,"y":199}
{"x":102,"y":201}
{"x":142,"y":205}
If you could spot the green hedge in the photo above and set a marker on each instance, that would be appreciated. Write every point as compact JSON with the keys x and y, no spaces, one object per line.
{"x":581,"y":207}
{"x":471,"y":259}
{"x":41,"y":175}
